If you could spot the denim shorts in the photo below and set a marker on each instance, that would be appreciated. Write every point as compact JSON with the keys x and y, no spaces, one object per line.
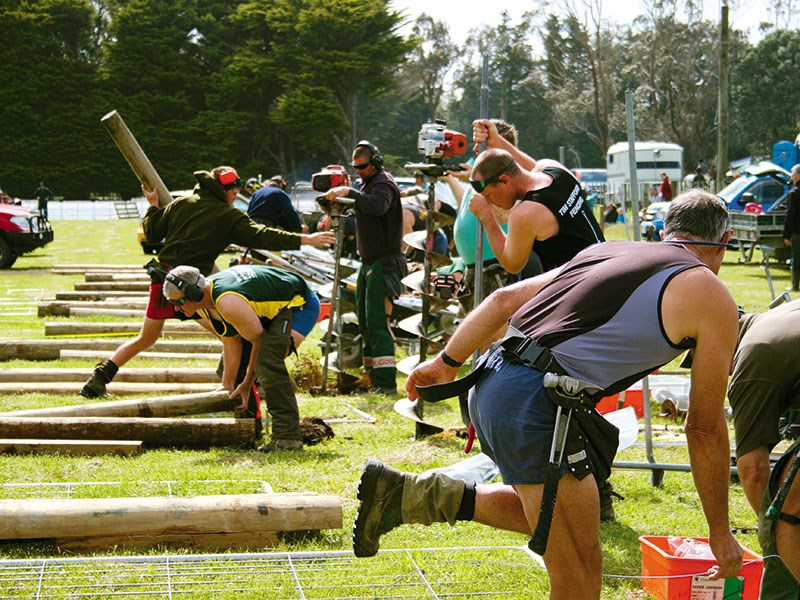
{"x":514,"y":420}
{"x":305,"y":317}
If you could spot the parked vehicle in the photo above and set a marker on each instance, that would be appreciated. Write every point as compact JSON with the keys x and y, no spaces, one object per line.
{"x":756,"y":229}
{"x":21,"y":231}
{"x":593,"y":180}
{"x":760,"y":187}
{"x":653,"y":221}
{"x":652,"y":159}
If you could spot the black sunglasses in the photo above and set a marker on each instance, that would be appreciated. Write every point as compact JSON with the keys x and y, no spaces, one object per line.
{"x":479,"y":186}
{"x":360,"y":167}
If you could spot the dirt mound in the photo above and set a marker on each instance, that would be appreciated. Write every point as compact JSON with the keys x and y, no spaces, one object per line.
{"x":314,"y":430}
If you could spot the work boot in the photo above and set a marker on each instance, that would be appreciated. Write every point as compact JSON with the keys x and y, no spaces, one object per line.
{"x":380,"y":511}
{"x":390,"y":498}
{"x":104,"y":372}
{"x":288,"y":445}
{"x":607,"y":495}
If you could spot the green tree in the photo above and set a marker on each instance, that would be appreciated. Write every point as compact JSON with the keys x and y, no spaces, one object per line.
{"x":154,"y":75}
{"x":763,"y":92}
{"x":49,"y":117}
{"x":583,"y":65}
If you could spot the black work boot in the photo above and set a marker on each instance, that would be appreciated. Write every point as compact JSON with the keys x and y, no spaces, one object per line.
{"x":104,"y":372}
{"x":380,"y":510}
{"x":607,"y":495}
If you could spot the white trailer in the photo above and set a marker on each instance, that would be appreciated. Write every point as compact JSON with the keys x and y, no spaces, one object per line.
{"x":652,"y":159}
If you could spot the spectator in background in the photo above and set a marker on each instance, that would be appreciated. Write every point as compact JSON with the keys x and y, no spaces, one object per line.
{"x":654,"y":194}
{"x":277,"y":181}
{"x":699,"y":180}
{"x":252,"y":185}
{"x":666,"y":188}
{"x":791,"y":228}
{"x":271,"y":206}
{"x":43,"y":194}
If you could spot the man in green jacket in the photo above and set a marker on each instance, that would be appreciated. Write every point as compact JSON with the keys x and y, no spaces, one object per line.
{"x":195,"y":229}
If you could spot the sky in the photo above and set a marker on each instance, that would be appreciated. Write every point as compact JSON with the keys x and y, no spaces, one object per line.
{"x":463,"y":15}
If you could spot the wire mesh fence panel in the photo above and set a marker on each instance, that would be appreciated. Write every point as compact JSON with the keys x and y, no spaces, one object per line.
{"x":504,"y":572}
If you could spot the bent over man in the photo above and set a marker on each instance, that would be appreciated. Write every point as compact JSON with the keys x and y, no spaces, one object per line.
{"x":272,"y":309}
{"x":764,"y":386}
{"x":610,"y":316}
{"x":195,"y":229}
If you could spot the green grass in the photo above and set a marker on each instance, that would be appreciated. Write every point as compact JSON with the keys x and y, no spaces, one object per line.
{"x":334,"y":467}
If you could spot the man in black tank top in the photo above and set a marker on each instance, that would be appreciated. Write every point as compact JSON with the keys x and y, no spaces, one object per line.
{"x":554,"y":218}
{"x":512,"y":409}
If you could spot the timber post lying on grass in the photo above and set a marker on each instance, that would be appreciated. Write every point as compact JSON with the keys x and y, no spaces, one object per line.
{"x":235,"y":513}
{"x":61,"y":308}
{"x":186,"y":328}
{"x":130,"y":375}
{"x":71,"y":447}
{"x":199,"y":434}
{"x":164,"y":407}
{"x":50,"y":349}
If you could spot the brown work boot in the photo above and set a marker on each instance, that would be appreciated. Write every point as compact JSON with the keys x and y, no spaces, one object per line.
{"x":380,"y":509}
{"x":103,"y":373}
{"x":288,"y":445}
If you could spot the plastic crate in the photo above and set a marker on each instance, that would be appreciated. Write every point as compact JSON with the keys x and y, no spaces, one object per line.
{"x":658,"y":562}
{"x":633,"y":397}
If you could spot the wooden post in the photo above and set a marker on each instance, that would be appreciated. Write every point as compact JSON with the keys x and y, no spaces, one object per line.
{"x":133,"y":153}
{"x":50,"y":349}
{"x":67,"y":328}
{"x":71,"y":447}
{"x":81,"y":518}
{"x":134,"y":375}
{"x":115,"y":388}
{"x":154,"y":433}
{"x":166,"y":406}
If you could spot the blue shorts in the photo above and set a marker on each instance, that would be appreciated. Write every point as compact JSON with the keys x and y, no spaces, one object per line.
{"x":514,"y":420}
{"x":305,"y":317}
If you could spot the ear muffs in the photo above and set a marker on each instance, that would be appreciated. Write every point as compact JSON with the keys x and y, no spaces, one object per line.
{"x":376,"y":158}
{"x":191,"y":291}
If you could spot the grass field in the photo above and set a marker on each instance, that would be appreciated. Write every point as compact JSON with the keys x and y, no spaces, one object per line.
{"x":334,"y":467}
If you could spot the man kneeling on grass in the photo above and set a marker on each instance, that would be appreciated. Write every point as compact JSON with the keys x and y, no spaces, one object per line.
{"x":261,"y":314}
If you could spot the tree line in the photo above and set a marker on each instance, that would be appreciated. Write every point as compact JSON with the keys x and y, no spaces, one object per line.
{"x":288,"y":86}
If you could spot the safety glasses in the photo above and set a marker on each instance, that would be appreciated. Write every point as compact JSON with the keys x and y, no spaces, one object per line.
{"x":479,"y":186}
{"x":177,"y":301}
{"x":360,"y":167}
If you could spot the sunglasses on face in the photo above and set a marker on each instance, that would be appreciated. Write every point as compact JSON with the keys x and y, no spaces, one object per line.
{"x":479,"y":186}
{"x":360,"y":167}
{"x":177,"y":301}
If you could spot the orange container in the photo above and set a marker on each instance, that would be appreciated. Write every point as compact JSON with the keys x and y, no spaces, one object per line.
{"x":633,"y":397}
{"x":324,"y":311}
{"x":658,"y":562}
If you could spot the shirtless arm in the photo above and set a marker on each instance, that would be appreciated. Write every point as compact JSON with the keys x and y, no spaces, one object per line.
{"x":483,"y":323}
{"x":483,"y":130}
{"x":238,"y":313}
{"x":696,"y":304}
{"x":527,"y":222}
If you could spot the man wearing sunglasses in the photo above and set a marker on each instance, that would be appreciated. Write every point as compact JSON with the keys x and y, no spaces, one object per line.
{"x":195,"y":229}
{"x":552,"y":218}
{"x":270,"y":308}
{"x":379,"y":236}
